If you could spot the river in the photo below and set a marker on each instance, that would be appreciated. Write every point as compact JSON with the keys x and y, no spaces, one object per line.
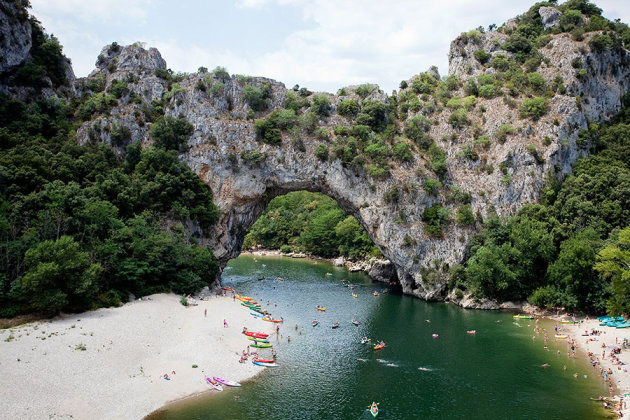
{"x":327,"y":373}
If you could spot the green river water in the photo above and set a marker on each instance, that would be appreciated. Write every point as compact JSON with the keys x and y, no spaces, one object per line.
{"x":327,"y":373}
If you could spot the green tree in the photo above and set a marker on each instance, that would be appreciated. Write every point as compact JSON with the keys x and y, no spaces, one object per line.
{"x":613,"y":264}
{"x":171,"y":133}
{"x":60,"y":276}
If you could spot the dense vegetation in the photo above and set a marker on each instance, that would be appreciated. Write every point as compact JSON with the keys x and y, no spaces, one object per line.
{"x":82,"y":226}
{"x":310,"y":222}
{"x":572,"y":250}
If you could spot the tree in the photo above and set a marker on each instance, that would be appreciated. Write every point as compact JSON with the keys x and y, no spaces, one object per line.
{"x":60,"y":276}
{"x":613,"y":264}
{"x":171,"y":133}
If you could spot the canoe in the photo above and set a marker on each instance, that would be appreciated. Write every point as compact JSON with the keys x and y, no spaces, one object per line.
{"x":374,"y":410}
{"x":225,"y":381}
{"x":256,"y":334}
{"x":261,"y":345}
{"x":259,"y":340}
{"x":265,"y":364}
{"x":379,"y":346}
{"x":272,"y":320}
{"x":321,"y":308}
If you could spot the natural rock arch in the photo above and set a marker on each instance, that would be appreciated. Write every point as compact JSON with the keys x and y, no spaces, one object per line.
{"x":245,"y":173}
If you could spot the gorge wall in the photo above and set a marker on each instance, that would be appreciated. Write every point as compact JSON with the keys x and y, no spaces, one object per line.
{"x":492,"y":155}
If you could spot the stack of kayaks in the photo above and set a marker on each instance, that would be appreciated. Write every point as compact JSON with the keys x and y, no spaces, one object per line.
{"x":617,"y":322}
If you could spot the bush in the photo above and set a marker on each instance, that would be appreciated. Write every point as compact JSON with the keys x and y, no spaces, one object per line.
{"x":348,"y":108}
{"x":257,"y":98}
{"x":600,"y":43}
{"x":534,"y":107}
{"x":321,"y":105}
{"x":465,"y":215}
{"x":266,"y":131}
{"x":416,"y":128}
{"x":402,"y":151}
{"x":537,"y":82}
{"x":482,"y":56}
{"x":321,"y":152}
{"x":171,"y":133}
{"x":366,"y":90}
{"x":286,"y":249}
{"x":504,"y":130}
{"x":487,"y":91}
{"x":253,"y":157}
{"x":432,"y":186}
{"x":458,"y":118}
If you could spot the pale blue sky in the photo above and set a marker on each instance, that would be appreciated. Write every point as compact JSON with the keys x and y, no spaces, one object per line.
{"x":320,"y":44}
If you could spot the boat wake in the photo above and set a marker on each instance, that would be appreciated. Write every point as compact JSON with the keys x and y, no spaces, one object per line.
{"x":425,"y":369}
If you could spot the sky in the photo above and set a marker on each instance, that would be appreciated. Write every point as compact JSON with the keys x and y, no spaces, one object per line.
{"x":323,"y":45}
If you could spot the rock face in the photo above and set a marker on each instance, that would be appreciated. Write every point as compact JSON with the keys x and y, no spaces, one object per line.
{"x":14,"y":49}
{"x":550,"y":17}
{"x":244,"y":174}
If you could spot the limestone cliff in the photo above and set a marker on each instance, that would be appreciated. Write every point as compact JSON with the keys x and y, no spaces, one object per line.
{"x":496,"y":157}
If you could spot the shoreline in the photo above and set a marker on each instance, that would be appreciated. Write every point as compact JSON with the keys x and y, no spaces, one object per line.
{"x":110,"y":363}
{"x":585,"y":344}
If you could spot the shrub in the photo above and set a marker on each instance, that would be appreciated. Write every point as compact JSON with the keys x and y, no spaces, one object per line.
{"x":416,"y":128}
{"x":458,"y":118}
{"x":517,"y":43}
{"x":432,"y":186}
{"x":465,"y":215}
{"x":220,"y":73}
{"x":499,"y":62}
{"x":321,"y":152}
{"x":600,"y":43}
{"x":348,"y":108}
{"x":392,"y":195}
{"x":171,"y":133}
{"x":366,"y":90}
{"x":570,"y":19}
{"x":438,"y":160}
{"x":504,"y":130}
{"x":253,"y":157}
{"x":255,"y":97}
{"x":119,"y":134}
{"x":435,"y":218}
{"x":482,"y":56}
{"x":532,"y":64}
{"x":295,"y":102}
{"x":321,"y":105}
{"x":286,"y":249}
{"x":402,"y":151}
{"x":534,"y":107}
{"x":267,"y":131}
{"x":487,"y":91}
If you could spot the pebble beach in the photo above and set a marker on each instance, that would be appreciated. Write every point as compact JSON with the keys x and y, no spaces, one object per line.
{"x":110,"y":363}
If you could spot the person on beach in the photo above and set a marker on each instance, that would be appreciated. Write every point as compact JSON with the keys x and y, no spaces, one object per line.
{"x":205,"y":313}
{"x":225,"y":324}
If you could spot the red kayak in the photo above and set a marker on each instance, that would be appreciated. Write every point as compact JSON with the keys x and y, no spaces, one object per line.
{"x":265,"y":360}
{"x":256,"y":334}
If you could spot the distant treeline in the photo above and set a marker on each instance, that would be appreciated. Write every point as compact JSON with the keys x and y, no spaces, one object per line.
{"x":310,"y":222}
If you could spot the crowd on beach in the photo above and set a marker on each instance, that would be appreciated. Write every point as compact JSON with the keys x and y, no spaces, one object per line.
{"x":607,"y":365}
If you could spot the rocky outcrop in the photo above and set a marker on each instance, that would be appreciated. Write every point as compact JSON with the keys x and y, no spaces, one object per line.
{"x":15,"y":42}
{"x":550,"y":17}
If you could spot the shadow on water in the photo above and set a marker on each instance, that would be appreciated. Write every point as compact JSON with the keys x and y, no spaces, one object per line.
{"x":327,"y":373}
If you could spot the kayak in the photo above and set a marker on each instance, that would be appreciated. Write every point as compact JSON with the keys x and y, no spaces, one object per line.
{"x":272,"y":320}
{"x":354,"y":295}
{"x":226,"y":382}
{"x":265,"y":364}
{"x":256,"y":334}
{"x":355,"y":322}
{"x":261,"y":345}
{"x":566,"y":321}
{"x":374,"y":409}
{"x":265,"y":360}
{"x":259,"y":340}
{"x":229,"y":289}
{"x":523,"y":316}
{"x":256,"y":314}
{"x":561,"y":336}
{"x":379,"y":346}
{"x":214,"y":385}
{"x":315,"y":323}
{"x":471,"y":332}
{"x":321,"y":308}
{"x":335,"y":325}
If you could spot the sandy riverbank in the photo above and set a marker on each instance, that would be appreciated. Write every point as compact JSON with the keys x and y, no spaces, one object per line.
{"x":46,"y":374}
{"x":597,"y":344}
